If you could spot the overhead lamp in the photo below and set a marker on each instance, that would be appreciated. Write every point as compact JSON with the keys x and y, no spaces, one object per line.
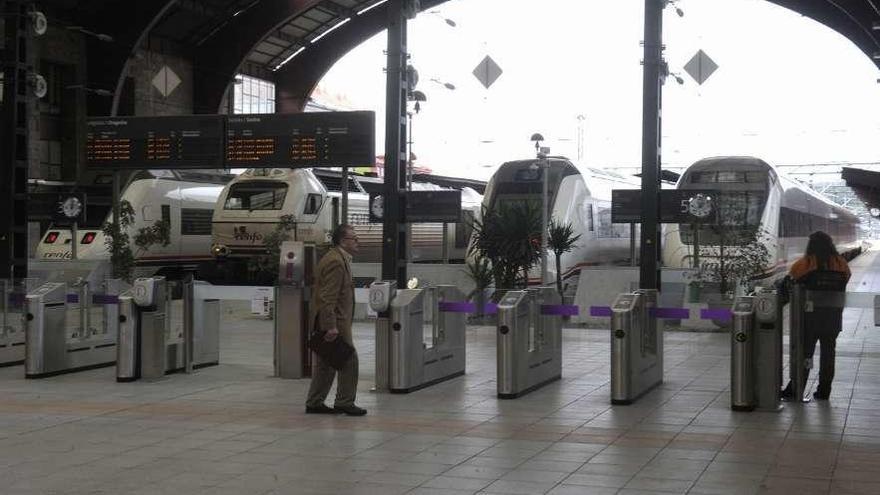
{"x":447,"y":20}
{"x":677,"y":10}
{"x":875,"y":25}
{"x":417,"y":96}
{"x":100,"y":36}
{"x":537,"y":138}
{"x":449,"y":86}
{"x":97,"y":91}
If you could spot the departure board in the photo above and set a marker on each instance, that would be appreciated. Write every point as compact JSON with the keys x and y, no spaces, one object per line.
{"x":172,"y":142}
{"x":626,"y":206}
{"x":319,"y":139}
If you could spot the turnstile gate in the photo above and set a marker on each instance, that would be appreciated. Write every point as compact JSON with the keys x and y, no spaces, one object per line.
{"x":407,"y":360}
{"x":756,"y":353}
{"x":12,"y":338}
{"x":636,"y":346}
{"x":58,"y":340}
{"x":529,"y":350}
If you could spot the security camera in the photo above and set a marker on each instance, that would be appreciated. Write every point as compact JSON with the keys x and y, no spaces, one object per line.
{"x":39,"y":22}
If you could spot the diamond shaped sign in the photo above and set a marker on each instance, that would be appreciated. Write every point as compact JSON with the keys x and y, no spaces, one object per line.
{"x":700,"y":67}
{"x":166,"y":81}
{"x":487,"y":71}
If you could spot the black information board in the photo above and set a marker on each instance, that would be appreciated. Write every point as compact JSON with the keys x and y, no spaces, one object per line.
{"x":675,"y":206}
{"x":318,"y":139}
{"x":433,"y":206}
{"x":172,"y":142}
{"x":302,"y":140}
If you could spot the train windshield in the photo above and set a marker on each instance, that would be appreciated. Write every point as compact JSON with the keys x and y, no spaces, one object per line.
{"x":256,"y":195}
{"x":738,"y":215}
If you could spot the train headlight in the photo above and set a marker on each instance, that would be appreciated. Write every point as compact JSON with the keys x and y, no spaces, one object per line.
{"x":219,"y":251}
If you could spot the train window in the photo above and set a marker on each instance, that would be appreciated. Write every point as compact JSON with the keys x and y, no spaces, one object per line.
{"x":703,"y":177}
{"x":313,"y":204}
{"x":528,"y":173}
{"x":166,"y":214}
{"x":464,"y":229}
{"x":195,"y":221}
{"x":256,"y":195}
{"x":731,"y":176}
{"x":590,"y":218}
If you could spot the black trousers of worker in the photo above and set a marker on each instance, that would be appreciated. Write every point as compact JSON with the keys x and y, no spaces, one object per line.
{"x":827,"y":339}
{"x":822,"y":327}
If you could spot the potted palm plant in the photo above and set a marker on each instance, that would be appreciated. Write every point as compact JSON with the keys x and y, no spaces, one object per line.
{"x":561,"y":239}
{"x":509,"y":237}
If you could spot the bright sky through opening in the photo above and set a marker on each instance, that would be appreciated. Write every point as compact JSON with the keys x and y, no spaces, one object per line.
{"x":788,"y":89}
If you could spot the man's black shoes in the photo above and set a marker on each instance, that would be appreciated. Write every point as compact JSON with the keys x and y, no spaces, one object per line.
{"x":322,"y":409}
{"x":818,"y":396}
{"x":351,"y":410}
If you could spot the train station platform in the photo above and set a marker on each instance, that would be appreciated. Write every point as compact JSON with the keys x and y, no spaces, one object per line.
{"x":232,"y":429}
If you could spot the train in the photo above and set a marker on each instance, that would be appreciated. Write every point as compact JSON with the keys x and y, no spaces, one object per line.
{"x":251,"y":205}
{"x":580,"y":196}
{"x":750,"y":192}
{"x":185,"y":199}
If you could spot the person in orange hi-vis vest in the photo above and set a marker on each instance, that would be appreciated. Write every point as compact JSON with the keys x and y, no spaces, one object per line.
{"x":822,"y":269}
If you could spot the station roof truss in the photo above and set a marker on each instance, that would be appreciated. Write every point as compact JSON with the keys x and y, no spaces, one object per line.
{"x":295,"y":42}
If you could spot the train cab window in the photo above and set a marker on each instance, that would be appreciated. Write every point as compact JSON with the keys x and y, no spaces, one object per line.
{"x":591,"y":219}
{"x":195,"y":221}
{"x":313,"y":204}
{"x":464,"y":229}
{"x":256,"y":195}
{"x":528,"y":174}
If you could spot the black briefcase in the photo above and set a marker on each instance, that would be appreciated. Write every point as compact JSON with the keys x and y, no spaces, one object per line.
{"x":335,"y":353}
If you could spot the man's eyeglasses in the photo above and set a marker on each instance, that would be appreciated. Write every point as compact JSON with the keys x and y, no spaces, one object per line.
{"x":355,"y":239}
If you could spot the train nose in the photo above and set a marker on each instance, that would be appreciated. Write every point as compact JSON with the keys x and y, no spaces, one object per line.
{"x":219,"y":251}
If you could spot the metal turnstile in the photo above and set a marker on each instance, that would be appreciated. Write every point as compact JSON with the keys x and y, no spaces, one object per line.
{"x":12,"y":337}
{"x":149,"y":346}
{"x":529,"y":340}
{"x":61,"y":339}
{"x":636,"y":346}
{"x":292,"y":326}
{"x":406,"y":358}
{"x":756,"y":353}
{"x":143,"y":331}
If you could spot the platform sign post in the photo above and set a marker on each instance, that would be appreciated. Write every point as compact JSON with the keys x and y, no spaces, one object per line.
{"x":395,"y":232}
{"x":649,"y":273}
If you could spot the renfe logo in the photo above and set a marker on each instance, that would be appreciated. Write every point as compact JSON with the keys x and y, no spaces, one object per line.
{"x":240,"y":233}
{"x":63,"y":255}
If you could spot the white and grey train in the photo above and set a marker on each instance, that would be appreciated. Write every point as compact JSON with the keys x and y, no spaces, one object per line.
{"x":185,"y":199}
{"x":251,"y":206}
{"x":579,"y":196}
{"x":750,"y":192}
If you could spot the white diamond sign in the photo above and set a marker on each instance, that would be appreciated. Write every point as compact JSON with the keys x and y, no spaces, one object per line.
{"x":487,"y":71}
{"x":166,"y":81}
{"x":700,"y":67}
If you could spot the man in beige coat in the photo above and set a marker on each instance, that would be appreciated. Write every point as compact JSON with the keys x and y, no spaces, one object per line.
{"x":332,"y":313}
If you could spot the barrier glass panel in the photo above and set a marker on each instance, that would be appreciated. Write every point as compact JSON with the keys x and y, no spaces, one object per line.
{"x":429,"y":325}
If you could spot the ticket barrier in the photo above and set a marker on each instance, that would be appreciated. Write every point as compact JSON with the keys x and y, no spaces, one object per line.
{"x":292,"y":357}
{"x":825,"y":290}
{"x":529,"y":341}
{"x":636,"y":346}
{"x":756,"y":353}
{"x":405,"y":362}
{"x":55,"y":345}
{"x":11,"y":329}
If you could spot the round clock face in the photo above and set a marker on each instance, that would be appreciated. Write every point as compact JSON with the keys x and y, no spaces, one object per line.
{"x":71,"y":207}
{"x":378,"y":207}
{"x":700,"y":206}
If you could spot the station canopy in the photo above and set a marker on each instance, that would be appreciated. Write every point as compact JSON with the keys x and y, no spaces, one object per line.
{"x":295,"y":42}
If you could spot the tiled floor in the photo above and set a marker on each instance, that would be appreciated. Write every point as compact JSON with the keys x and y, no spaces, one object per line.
{"x":233,"y":429}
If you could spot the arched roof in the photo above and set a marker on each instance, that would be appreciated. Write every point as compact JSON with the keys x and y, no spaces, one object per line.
{"x":225,"y":37}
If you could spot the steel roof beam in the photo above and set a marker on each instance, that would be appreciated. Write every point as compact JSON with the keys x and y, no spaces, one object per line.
{"x":213,"y":74}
